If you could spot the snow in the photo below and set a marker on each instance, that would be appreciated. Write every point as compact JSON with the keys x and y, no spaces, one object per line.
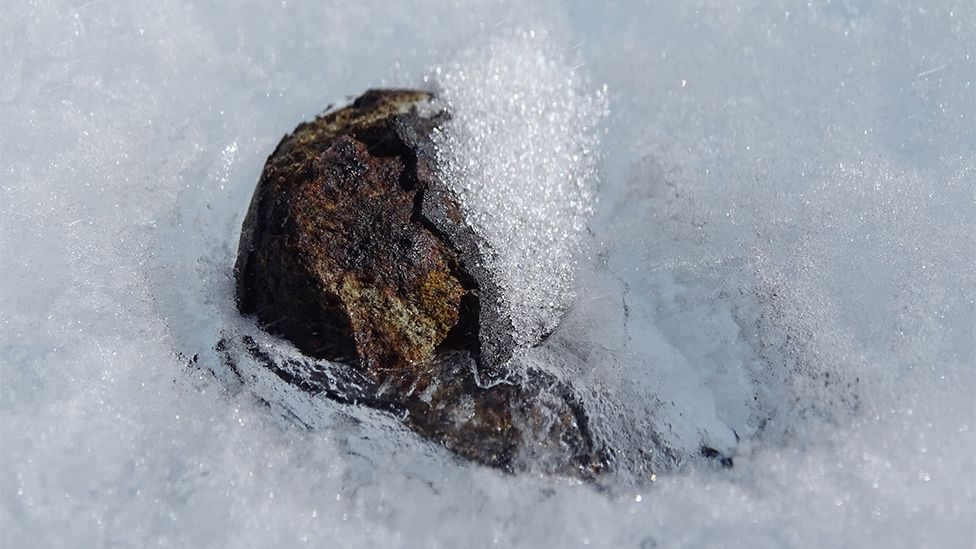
{"x":520,"y":153}
{"x":780,"y":249}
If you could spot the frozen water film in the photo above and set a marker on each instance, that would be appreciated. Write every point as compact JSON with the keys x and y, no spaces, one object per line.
{"x":759,"y":240}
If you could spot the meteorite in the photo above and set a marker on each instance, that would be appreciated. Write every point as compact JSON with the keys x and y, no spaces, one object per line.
{"x":355,"y":251}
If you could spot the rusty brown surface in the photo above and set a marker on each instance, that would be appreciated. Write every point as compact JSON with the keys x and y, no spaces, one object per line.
{"x":332,"y":256}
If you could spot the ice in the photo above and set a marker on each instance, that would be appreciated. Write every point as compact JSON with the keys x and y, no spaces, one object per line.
{"x":520,"y":153}
{"x":780,"y":250}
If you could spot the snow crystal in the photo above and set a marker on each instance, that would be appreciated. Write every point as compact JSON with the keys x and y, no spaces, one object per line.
{"x":520,"y":153}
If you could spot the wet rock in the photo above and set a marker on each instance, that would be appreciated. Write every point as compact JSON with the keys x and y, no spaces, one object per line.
{"x":332,"y":256}
{"x":352,"y":249}
{"x":357,"y":253}
{"x":538,"y":424}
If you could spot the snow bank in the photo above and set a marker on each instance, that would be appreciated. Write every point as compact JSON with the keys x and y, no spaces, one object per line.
{"x":781,"y":250}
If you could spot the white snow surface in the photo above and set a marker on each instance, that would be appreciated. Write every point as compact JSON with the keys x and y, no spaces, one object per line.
{"x":780,"y":251}
{"x":520,"y":152}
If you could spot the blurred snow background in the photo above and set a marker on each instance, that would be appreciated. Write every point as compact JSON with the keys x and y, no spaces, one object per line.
{"x":784,"y":239}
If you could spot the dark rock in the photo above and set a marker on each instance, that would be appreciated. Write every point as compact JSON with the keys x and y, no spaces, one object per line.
{"x":537,"y":424}
{"x":356,"y":252}
{"x":332,"y":256}
{"x":352,"y":248}
{"x":720,"y":458}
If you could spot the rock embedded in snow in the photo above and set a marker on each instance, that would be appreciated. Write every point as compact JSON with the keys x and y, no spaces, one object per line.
{"x":333,"y":256}
{"x":355,"y":251}
{"x":538,"y":424}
